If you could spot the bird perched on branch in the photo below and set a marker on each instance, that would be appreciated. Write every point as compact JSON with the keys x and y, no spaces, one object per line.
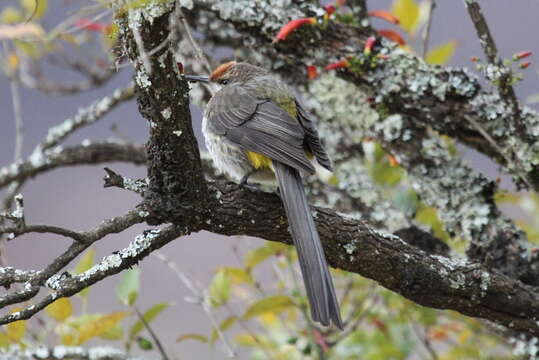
{"x":256,"y":130}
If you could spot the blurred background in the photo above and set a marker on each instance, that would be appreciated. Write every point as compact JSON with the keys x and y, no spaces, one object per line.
{"x":75,"y":198}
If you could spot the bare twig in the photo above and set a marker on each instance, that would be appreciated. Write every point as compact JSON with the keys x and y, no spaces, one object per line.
{"x":152,"y":334}
{"x":113,"y":179}
{"x":199,"y":299}
{"x":491,"y":51}
{"x":86,"y":116}
{"x":17,"y":114}
{"x":426,"y":32}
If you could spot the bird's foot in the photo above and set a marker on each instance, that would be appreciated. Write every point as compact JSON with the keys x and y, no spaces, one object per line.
{"x":245,"y":185}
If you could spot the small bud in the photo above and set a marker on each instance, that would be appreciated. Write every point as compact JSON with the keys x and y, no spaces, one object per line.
{"x":385,"y":15}
{"x":312,"y":73}
{"x":291,"y":26}
{"x":369,"y":44}
{"x":524,"y":65}
{"x":338,"y":65}
{"x":180,"y":67}
{"x":474,"y":59}
{"x":393,"y":160}
{"x":522,"y":55}
{"x":393,"y":36}
{"x":330,"y":9}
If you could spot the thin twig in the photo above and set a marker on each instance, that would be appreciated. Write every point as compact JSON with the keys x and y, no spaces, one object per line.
{"x":491,"y":51}
{"x":426,"y":32}
{"x":152,"y":334}
{"x":199,"y":299}
{"x":495,"y":145}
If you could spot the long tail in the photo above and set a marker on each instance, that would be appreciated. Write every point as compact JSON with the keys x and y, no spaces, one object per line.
{"x":314,"y":268}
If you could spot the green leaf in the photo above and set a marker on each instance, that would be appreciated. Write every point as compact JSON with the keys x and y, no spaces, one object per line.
{"x":407,"y":11}
{"x":429,"y":216}
{"x":441,"y":54}
{"x":128,"y":289}
{"x":60,"y":309}
{"x":272,"y":304}
{"x":144,"y":343}
{"x":238,"y":275}
{"x":85,"y":263}
{"x":196,"y":337}
{"x":219,"y":289}
{"x":36,"y":7}
{"x":98,"y":326}
{"x":114,"y":333}
{"x":148,"y":316}
{"x":258,"y":255}
{"x":223,"y":326}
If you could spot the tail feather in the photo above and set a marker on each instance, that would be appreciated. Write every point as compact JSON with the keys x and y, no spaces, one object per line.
{"x":314,"y":268}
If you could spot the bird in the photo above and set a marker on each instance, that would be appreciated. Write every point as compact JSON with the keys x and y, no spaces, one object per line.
{"x":256,"y":130}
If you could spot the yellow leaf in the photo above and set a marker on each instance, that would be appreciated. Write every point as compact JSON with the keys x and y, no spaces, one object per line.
{"x":21,"y":30}
{"x":13,"y":61}
{"x":17,"y":329}
{"x":442,"y":53}
{"x":237,"y":275}
{"x":407,"y":11}
{"x":258,"y":255}
{"x":223,"y":326}
{"x":246,"y":340}
{"x":196,"y":337}
{"x":36,"y":8}
{"x":10,"y":15}
{"x":219,"y":289}
{"x":60,"y":310}
{"x":272,"y":304}
{"x":98,"y":326}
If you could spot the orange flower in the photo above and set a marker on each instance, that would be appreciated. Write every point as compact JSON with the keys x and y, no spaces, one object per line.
{"x":524,"y":65}
{"x":522,"y":55}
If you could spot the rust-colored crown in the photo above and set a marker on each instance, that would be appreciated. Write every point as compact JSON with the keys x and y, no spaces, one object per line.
{"x":221,"y":69}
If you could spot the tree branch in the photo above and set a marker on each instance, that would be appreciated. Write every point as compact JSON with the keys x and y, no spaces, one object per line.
{"x":84,"y":154}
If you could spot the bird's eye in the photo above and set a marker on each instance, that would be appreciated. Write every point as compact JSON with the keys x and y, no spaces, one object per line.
{"x":223,"y":81}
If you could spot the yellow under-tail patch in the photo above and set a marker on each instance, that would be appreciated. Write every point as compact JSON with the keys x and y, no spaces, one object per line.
{"x":259,"y":161}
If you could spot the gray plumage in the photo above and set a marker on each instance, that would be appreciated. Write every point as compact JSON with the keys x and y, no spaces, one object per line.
{"x":257,"y":112}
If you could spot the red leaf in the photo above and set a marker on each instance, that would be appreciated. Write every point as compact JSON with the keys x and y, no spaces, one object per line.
{"x":393,"y":36}
{"x":291,"y":26}
{"x":338,"y":65}
{"x":90,"y":25}
{"x":385,"y":15}
{"x":312,"y":73}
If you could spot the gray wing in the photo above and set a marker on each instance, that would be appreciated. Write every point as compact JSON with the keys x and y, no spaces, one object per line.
{"x":258,"y":125}
{"x":312,"y":140}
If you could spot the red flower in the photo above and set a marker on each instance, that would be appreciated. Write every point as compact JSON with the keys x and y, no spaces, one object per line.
{"x":385,"y":15}
{"x":338,"y":65}
{"x":522,"y":55}
{"x":369,"y":44}
{"x":330,"y":9}
{"x":291,"y":26}
{"x":87,"y":24}
{"x":393,"y":36}
{"x":312,"y":73}
{"x":525,"y":64}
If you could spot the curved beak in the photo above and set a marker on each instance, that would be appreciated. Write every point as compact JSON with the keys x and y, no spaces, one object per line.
{"x":194,"y":78}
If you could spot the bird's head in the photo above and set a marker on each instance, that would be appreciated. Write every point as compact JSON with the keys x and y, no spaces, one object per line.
{"x":229,"y":73}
